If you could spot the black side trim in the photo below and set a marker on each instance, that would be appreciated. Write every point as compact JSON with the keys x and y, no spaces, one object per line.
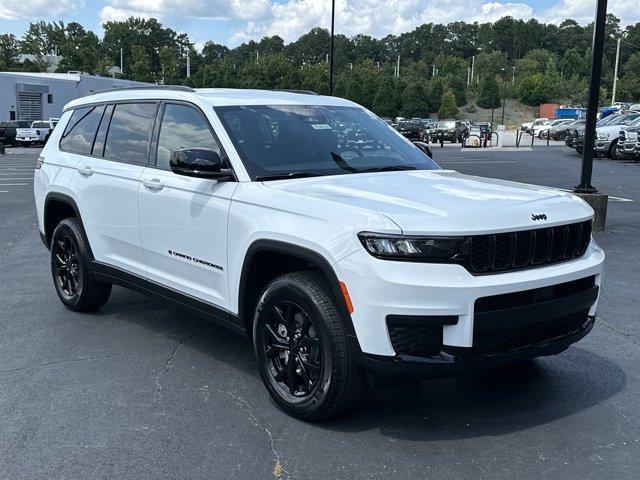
{"x":61,"y":197}
{"x":199,"y":307}
{"x":304,"y":254}
{"x":421,"y":320}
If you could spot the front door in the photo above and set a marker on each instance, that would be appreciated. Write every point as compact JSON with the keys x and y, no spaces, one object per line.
{"x":183,"y":220}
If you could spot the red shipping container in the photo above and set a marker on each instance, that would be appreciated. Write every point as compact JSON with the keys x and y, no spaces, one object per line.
{"x":548,"y":110}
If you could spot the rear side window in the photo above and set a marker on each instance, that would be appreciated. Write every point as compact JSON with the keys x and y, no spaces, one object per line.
{"x":98,"y":144}
{"x":81,"y":130}
{"x":129,"y":133}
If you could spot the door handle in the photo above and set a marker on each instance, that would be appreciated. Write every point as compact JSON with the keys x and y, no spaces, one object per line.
{"x":153,"y":184}
{"x":85,"y":170}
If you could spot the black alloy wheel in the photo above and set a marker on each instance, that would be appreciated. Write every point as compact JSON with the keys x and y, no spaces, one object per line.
{"x":291,"y":350}
{"x":68,"y":274}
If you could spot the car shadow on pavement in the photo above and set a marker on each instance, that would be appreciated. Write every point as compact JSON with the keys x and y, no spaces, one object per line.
{"x":493,"y":402}
{"x":488,"y":403}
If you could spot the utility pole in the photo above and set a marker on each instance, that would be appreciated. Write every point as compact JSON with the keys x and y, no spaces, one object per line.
{"x":188,"y":65}
{"x":615,"y":73}
{"x":468,"y":75}
{"x":473,"y":63}
{"x":121,"y":63}
{"x":333,"y":18}
{"x":398,"y":67}
{"x":597,"y":201}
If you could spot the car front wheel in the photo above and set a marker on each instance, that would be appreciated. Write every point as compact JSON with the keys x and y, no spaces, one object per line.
{"x":71,"y":269}
{"x":304,"y":356}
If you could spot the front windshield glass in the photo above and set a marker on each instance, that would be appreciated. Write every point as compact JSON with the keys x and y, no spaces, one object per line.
{"x":447,"y":124}
{"x":307,"y":140}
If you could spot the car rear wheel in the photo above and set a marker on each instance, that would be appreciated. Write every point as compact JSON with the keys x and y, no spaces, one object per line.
{"x":71,"y":269}
{"x":560,"y":136}
{"x":301,"y":346}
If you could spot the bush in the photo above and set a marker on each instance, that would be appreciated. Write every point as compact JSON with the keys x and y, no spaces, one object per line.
{"x":489,"y":96}
{"x":448,"y":107}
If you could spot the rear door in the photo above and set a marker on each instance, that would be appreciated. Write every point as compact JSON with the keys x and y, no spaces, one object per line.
{"x":110,"y":176}
{"x":183,"y":220}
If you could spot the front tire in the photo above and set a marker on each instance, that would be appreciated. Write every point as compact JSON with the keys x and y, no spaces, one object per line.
{"x":73,"y":278}
{"x":304,"y":356}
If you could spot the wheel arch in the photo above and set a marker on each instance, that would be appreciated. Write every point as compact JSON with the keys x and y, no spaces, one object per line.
{"x":57,"y":207}
{"x":253,"y":278}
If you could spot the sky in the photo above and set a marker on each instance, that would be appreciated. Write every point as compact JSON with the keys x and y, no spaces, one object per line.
{"x":232,"y":22}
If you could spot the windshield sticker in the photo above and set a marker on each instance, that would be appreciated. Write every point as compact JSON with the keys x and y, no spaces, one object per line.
{"x":320,"y":126}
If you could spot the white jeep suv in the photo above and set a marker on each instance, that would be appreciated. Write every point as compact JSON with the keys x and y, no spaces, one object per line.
{"x":312,"y":227}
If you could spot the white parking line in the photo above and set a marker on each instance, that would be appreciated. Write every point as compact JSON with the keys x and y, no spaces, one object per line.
{"x":15,"y":178}
{"x":11,"y":184}
{"x":4,"y":191}
{"x":611,"y":197}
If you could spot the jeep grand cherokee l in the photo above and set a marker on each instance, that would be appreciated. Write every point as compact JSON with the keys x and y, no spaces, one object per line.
{"x":254,"y":209}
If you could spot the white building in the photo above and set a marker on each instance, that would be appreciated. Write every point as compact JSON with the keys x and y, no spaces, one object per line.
{"x":37,"y":96}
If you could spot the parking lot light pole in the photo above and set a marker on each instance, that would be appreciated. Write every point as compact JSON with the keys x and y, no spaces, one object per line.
{"x":585,"y":189}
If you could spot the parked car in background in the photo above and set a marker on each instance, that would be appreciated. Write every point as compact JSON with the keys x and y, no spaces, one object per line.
{"x":559,"y":132}
{"x":607,"y":135}
{"x":628,"y":146}
{"x":450,"y":130}
{"x":411,"y":129}
{"x":526,"y":127}
{"x":38,"y":133}
{"x":8,"y":131}
{"x":541,"y":131}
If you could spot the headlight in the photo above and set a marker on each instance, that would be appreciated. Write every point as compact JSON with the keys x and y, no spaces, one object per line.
{"x":400,"y":247}
{"x":603,"y":136}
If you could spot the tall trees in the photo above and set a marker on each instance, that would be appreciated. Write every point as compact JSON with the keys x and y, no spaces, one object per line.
{"x":489,"y":96}
{"x":448,"y":107}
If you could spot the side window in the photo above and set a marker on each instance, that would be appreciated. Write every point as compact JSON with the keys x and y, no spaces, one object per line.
{"x":80,"y":131}
{"x":182,"y":127}
{"x":98,"y":144}
{"x":129,"y":132}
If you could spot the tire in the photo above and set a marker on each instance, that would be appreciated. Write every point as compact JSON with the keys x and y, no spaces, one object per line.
{"x":579,"y":150}
{"x":71,"y":271}
{"x":613,"y":151}
{"x":324,"y":381}
{"x":560,"y":136}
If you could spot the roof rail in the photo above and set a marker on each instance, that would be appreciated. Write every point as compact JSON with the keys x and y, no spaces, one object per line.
{"x":179,"y":88}
{"x":303,"y":92}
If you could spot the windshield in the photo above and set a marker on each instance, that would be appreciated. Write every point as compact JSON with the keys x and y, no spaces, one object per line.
{"x":447,"y":124}
{"x":305,"y":140}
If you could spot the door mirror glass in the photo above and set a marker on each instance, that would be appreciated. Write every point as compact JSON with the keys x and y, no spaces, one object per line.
{"x":198,"y":162}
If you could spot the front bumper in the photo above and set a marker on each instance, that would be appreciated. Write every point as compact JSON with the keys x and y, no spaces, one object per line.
{"x":628,"y":149}
{"x":380,"y":289}
{"x":602,"y":146}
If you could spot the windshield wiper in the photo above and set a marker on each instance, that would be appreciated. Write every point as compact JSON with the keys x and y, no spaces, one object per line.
{"x":390,"y":168}
{"x":284,"y":176}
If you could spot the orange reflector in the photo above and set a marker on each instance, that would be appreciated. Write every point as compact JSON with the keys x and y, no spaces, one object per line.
{"x":347,"y":298}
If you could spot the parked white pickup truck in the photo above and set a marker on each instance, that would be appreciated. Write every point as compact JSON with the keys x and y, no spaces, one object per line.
{"x":528,"y":126}
{"x":37,"y":134}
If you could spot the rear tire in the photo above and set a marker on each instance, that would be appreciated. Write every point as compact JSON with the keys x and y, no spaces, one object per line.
{"x":297,"y":320}
{"x":560,"y":136}
{"x":613,"y":151}
{"x":73,"y":278}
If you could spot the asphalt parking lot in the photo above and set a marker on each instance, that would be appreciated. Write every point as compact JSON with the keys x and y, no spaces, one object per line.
{"x":144,"y":390}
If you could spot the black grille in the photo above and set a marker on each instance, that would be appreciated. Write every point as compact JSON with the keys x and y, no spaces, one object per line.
{"x":492,"y":342}
{"x":511,"y":251}
{"x":418,"y":340}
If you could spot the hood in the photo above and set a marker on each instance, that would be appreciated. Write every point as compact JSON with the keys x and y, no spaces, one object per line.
{"x":443,"y":202}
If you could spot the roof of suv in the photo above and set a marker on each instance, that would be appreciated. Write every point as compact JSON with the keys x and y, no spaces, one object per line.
{"x":214,"y":96}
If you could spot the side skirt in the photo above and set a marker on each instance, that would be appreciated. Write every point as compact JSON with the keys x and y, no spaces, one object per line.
{"x":117,"y":276}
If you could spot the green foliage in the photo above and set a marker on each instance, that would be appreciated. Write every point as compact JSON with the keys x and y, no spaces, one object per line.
{"x":415,"y":100}
{"x":534,"y":89}
{"x":630,"y":84}
{"x":141,"y":67}
{"x":448,"y":107}
{"x":384,"y":103}
{"x":489,"y":96}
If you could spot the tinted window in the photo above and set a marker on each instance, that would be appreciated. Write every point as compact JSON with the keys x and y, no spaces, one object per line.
{"x":98,"y":144}
{"x":276,"y":140}
{"x":129,"y":132}
{"x":81,"y":129}
{"x":182,"y":127}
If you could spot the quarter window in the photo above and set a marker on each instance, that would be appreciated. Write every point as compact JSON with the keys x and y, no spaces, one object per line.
{"x":129,"y":133}
{"x":80,"y":131}
{"x":182,"y":127}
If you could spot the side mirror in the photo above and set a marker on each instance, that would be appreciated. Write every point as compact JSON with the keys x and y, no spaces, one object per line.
{"x":425,"y":148}
{"x":199,"y":162}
